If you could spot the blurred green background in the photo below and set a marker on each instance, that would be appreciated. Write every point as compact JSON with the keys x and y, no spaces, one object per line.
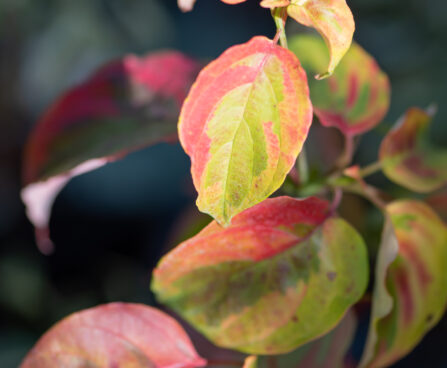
{"x":111,"y":226}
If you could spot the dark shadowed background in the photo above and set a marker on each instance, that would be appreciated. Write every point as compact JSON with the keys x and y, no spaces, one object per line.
{"x":110,"y":226}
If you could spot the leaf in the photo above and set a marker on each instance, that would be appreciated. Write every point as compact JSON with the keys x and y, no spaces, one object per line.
{"x":356,"y":98}
{"x":115,"y":335}
{"x":243,"y":124}
{"x":382,"y":300}
{"x":328,"y":351}
{"x":332,"y":19}
{"x":283,"y":274}
{"x":412,"y":296}
{"x":406,"y":157}
{"x":127,"y":104}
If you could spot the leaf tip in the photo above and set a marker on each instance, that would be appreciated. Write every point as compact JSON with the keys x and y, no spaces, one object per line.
{"x":324,"y":75}
{"x":43,"y":240}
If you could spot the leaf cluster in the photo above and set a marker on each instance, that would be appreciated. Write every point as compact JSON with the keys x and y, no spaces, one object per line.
{"x":274,"y":276}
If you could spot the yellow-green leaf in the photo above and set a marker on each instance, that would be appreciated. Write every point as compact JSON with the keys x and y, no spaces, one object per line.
{"x":333,"y":20}
{"x":243,"y":124}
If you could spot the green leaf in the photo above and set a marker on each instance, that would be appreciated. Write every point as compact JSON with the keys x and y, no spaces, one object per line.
{"x":243,"y":124}
{"x":127,"y":104}
{"x":407,"y":158}
{"x":115,"y":335}
{"x":283,"y":274}
{"x":356,"y":97}
{"x":410,"y":295}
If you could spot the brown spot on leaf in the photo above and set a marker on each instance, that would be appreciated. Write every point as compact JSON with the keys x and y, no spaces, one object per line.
{"x":331,"y":275}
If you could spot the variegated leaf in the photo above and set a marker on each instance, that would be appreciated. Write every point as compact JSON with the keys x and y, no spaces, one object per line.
{"x":406,"y":157}
{"x":115,"y":335}
{"x":333,"y":20}
{"x":243,"y":124}
{"x":283,"y":274}
{"x":356,"y":97}
{"x":410,"y":295}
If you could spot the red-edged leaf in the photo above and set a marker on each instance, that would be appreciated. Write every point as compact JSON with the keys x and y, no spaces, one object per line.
{"x":406,"y":157}
{"x":333,"y":20}
{"x":115,"y":335}
{"x":243,"y":124}
{"x":281,"y":275}
{"x":356,"y":97}
{"x":127,"y":104}
{"x":410,"y":293}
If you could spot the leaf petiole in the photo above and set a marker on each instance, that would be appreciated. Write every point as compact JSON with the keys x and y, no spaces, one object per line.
{"x":279,"y":16}
{"x":371,"y":169}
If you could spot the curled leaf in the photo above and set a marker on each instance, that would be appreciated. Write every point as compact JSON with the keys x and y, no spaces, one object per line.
{"x":243,"y":124}
{"x":406,"y":157}
{"x":383,"y":301}
{"x":126,"y":105}
{"x":115,"y":335}
{"x":410,"y":295}
{"x":283,"y":274}
{"x":356,"y":97}
{"x":333,"y":20}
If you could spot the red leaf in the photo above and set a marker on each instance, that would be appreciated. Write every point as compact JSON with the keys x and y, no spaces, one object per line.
{"x":128,"y":104}
{"x":115,"y":335}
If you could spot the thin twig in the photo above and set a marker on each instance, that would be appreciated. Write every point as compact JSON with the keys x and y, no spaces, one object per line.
{"x":371,"y":169}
